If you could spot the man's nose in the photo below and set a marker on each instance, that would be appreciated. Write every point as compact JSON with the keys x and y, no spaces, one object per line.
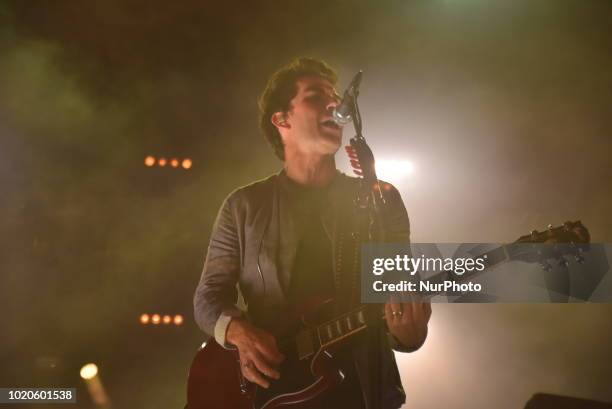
{"x":332,"y":104}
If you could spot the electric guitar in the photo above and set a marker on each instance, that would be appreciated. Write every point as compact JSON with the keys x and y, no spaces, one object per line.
{"x":310,"y":369}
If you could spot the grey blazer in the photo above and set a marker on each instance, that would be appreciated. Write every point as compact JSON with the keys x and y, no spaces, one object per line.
{"x":251,"y":252}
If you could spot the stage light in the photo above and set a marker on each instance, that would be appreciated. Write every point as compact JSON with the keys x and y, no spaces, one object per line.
{"x":392,"y":170}
{"x":186,"y":163}
{"x":89,"y":371}
{"x":161,"y":319}
{"x":95,"y":388}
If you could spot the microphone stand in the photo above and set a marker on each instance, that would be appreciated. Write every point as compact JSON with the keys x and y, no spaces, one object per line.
{"x":369,"y":203}
{"x":370,"y":194}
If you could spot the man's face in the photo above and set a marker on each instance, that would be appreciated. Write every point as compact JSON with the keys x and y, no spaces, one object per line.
{"x":311,"y":128}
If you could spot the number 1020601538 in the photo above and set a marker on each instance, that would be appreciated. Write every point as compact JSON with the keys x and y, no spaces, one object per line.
{"x":36,"y":395}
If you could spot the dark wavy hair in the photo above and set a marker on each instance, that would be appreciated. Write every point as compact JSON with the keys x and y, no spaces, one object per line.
{"x":281,"y":89}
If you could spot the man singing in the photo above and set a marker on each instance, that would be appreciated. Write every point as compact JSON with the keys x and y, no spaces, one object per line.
{"x":282,"y":242}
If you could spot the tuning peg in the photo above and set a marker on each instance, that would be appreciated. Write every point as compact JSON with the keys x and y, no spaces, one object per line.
{"x":550,"y":227}
{"x":563,"y":262}
{"x":534,"y":234}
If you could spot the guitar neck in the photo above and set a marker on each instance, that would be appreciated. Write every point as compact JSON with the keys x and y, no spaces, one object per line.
{"x":356,"y":320}
{"x":490,"y":259}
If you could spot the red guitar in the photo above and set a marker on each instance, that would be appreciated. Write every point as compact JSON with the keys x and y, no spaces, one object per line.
{"x":309,"y":370}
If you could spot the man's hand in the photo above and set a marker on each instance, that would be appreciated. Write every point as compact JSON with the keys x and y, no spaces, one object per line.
{"x":408,"y":322}
{"x":259,"y":354}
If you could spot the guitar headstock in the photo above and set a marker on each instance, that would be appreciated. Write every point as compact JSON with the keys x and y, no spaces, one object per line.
{"x":568,"y":232}
{"x":554,"y":243}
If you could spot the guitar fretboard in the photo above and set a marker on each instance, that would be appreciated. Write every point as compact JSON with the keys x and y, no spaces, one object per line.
{"x":354,"y":321}
{"x":342,"y":326}
{"x":308,"y":341}
{"x":491,"y":258}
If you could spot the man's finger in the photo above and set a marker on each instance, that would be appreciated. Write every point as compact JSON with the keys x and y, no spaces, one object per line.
{"x":421,"y":312}
{"x":252,"y":374}
{"x":407,"y":312}
{"x":270,"y":352}
{"x":388,"y":314}
{"x":396,"y":308}
{"x":262,"y":365}
{"x":427,"y":310}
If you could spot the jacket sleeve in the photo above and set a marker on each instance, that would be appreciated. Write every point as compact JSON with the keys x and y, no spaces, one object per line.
{"x":395,"y":221}
{"x":397,"y":230}
{"x":216,"y":295}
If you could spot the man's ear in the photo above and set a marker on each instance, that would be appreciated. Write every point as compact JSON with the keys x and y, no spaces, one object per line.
{"x":279,"y":120}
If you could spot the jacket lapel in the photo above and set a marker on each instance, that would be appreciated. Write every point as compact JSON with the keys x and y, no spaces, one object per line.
{"x":278,"y":247}
{"x":287,"y":239}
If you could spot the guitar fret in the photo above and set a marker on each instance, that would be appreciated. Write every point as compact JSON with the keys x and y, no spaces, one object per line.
{"x":349,"y":323}
{"x":360,"y":317}
{"x":496,"y":256}
{"x":339,"y":328}
{"x":330,"y":334}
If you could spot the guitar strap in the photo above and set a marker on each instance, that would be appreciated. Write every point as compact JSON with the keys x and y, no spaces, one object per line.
{"x":352,"y":228}
{"x":371,"y":231}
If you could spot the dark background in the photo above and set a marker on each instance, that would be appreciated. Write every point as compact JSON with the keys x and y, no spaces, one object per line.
{"x":504,"y":108}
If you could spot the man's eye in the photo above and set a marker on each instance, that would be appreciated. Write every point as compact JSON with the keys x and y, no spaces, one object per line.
{"x":315,"y":97}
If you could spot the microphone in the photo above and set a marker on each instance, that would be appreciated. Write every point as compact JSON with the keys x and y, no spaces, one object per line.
{"x":343,"y":113}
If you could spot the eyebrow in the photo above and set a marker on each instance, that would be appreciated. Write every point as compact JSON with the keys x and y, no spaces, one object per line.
{"x":321,"y":88}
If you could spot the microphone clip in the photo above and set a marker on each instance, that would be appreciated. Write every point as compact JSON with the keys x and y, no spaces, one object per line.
{"x":348,"y":110}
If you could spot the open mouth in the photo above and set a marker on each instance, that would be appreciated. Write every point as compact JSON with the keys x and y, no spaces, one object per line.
{"x":330,"y":123}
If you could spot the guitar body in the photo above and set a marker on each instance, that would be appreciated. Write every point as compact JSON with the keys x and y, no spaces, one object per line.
{"x":304,"y":381}
{"x":215,"y":381}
